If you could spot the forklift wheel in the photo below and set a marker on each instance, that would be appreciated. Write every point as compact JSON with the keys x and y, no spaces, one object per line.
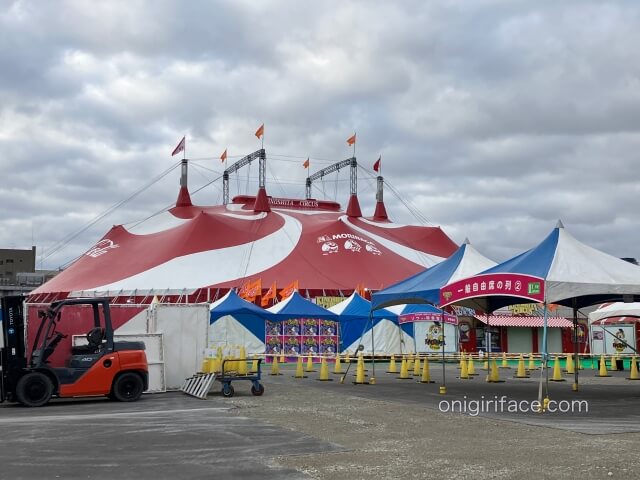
{"x":257,"y":391}
{"x":128,"y":387}
{"x":227,"y":390}
{"x":34,"y":389}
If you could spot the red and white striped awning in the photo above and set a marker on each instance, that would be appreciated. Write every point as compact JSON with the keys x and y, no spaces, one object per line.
{"x":616,"y":320}
{"x":518,"y":321}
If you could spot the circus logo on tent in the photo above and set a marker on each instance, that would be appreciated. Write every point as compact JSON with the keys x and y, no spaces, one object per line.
{"x":329,"y":247}
{"x":372,"y":249}
{"x":352,"y":245}
{"x":102,"y":247}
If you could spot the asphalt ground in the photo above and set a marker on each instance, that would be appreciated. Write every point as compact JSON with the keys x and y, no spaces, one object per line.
{"x":304,"y":428}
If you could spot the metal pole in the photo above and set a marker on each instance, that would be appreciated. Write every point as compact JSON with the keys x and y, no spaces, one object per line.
{"x":443,"y":387}
{"x":372,"y":379}
{"x":487,"y":342}
{"x":575,"y":346}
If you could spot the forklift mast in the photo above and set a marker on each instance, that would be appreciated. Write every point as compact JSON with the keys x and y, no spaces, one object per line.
{"x":12,"y":354}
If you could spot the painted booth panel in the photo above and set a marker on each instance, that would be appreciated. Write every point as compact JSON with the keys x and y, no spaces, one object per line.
{"x":519,"y":340}
{"x":554,"y":340}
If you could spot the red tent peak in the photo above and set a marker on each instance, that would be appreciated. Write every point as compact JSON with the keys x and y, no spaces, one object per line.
{"x":353,"y":208}
{"x":381,"y":212}
{"x":262,"y":201}
{"x":184,"y":199}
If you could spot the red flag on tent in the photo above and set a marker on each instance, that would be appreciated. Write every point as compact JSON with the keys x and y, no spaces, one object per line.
{"x":244,"y":289}
{"x":179,"y":148}
{"x":254,"y":290}
{"x":376,"y":166}
{"x":306,"y":163}
{"x":250,"y":290}
{"x":289,"y":289}
{"x":260,"y":131}
{"x":351,"y":140}
{"x":223,"y":157}
{"x":271,"y":294}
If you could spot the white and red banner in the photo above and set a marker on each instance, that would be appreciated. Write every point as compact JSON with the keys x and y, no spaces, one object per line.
{"x":494,"y":284}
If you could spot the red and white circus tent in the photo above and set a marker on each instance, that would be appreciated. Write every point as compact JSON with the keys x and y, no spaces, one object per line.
{"x":194,"y":252}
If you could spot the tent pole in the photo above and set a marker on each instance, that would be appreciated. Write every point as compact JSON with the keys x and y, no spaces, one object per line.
{"x":444,"y":383}
{"x":413,"y":329}
{"x":575,"y":346}
{"x":545,"y":347}
{"x":373,"y":352}
{"x":487,"y":343}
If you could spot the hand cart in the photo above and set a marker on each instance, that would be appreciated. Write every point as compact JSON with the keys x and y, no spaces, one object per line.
{"x":227,"y":376}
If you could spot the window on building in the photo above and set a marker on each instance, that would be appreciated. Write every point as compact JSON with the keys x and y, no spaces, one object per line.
{"x":1,"y":262}
{"x":9,"y":260}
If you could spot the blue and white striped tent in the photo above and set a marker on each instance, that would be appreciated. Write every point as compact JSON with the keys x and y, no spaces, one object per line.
{"x":234,"y":321}
{"x":381,"y":334}
{"x":424,"y":287}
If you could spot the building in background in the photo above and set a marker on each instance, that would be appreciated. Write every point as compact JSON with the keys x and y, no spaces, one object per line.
{"x":18,"y":274}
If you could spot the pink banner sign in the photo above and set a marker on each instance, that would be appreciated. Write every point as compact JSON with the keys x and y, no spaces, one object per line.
{"x":427,"y":317}
{"x":494,"y":284}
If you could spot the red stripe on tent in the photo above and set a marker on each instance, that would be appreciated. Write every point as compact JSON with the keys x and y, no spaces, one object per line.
{"x":512,"y":321}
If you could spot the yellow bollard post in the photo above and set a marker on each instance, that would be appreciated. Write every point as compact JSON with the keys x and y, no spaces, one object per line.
{"x":504,"y":364}
{"x":521,"y":373}
{"x":254,"y":365}
{"x":206,"y":366}
{"x":494,"y":376}
{"x":426,"y":374}
{"x":570,"y":366}
{"x":634,"y":370}
{"x":282,"y":358}
{"x":404,"y":370}
{"x":471,"y":367}
{"x":299,"y":369}
{"x":532,"y":362}
{"x":337,"y":367}
{"x":462,"y":360}
{"x":275,"y":366}
{"x":603,"y":368}
{"x":242,"y":362}
{"x":360,"y":377}
{"x":309,"y":364}
{"x":324,"y":371}
{"x":392,"y":365}
{"x":410,"y":362}
{"x":416,"y":367}
{"x":579,"y":362}
{"x":464,"y":375}
{"x":557,"y":373}
{"x":614,"y":363}
{"x":215,"y":364}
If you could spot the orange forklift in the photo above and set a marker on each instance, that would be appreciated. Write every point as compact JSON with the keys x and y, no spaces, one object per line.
{"x":99,"y":367}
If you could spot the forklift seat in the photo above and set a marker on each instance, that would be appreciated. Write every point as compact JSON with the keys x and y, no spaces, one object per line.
{"x":95,"y":336}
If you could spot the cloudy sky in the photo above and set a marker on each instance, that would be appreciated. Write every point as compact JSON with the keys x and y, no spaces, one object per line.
{"x":494,"y":118}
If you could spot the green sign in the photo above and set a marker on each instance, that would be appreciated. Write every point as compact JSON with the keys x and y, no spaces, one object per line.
{"x":534,"y":288}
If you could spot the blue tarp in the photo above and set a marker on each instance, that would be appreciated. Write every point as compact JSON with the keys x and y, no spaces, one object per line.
{"x":249,"y":315}
{"x":295,"y":306}
{"x":353,"y":315}
{"x":424,"y":287}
